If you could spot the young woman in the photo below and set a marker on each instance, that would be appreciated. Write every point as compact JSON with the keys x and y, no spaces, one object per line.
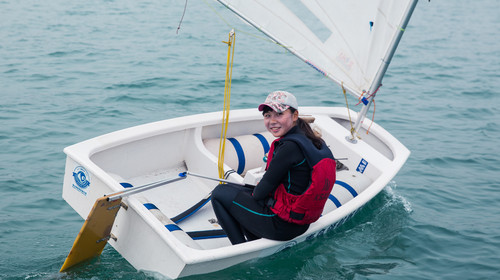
{"x":299,"y":176}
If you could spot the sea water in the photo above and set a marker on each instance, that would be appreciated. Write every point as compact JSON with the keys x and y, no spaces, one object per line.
{"x":73,"y":70}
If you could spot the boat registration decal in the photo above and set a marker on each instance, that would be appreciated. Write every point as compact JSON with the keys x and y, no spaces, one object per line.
{"x":81,"y":180}
{"x":362,"y":166}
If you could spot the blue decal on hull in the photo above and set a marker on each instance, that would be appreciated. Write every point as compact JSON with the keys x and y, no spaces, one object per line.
{"x":82,"y":179}
{"x":362,"y":166}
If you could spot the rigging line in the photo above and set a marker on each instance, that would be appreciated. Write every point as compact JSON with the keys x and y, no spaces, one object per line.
{"x":348,"y":111}
{"x":375,"y":92}
{"x":360,"y":98}
{"x":182,"y":18}
{"x":369,"y":95}
{"x":363,"y":99}
{"x":227,"y":101}
{"x":373,"y":117}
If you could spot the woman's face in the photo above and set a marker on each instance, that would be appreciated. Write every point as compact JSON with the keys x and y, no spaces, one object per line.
{"x":280,"y":123}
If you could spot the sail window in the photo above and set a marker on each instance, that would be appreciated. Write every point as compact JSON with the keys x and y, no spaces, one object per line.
{"x":309,"y":19}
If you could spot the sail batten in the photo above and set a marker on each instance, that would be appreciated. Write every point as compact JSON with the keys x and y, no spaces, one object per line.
{"x":347,"y":41}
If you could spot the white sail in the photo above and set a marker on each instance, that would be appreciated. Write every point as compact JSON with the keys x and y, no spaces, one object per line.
{"x":348,"y":41}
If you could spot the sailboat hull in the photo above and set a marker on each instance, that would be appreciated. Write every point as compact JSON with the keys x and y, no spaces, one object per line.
{"x":160,"y":150}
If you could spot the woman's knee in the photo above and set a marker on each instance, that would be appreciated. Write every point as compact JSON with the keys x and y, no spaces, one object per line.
{"x":218,"y":192}
{"x":225,"y":194}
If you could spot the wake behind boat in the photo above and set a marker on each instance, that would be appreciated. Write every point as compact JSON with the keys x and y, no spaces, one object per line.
{"x":169,"y":226}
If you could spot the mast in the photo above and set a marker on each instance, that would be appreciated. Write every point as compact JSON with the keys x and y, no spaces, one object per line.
{"x":381,"y":72}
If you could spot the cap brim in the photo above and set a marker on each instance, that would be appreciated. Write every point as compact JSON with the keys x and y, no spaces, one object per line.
{"x":263,"y":106}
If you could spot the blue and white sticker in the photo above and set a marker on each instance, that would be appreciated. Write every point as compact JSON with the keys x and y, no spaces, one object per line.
{"x":82,"y":180}
{"x":362,"y":166}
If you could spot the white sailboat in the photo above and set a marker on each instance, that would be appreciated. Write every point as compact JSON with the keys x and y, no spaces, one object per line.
{"x":350,"y":42}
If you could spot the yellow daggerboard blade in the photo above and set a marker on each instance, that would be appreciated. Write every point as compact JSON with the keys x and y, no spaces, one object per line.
{"x":95,"y":232}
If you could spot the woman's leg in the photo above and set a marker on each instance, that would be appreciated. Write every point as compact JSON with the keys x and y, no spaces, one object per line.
{"x":258,"y":220}
{"x":244,"y":219}
{"x":222,"y":199}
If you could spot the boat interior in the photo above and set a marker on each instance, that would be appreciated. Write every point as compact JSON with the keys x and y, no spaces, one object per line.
{"x":158,"y":157}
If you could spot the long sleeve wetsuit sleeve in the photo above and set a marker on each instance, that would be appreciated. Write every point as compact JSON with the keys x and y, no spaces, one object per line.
{"x":286,"y":155}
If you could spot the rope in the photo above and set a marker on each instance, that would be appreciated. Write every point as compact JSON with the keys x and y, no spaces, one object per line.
{"x":182,"y":18}
{"x":373,"y":118}
{"x":361,"y":98}
{"x":227,"y":101}
{"x":365,"y":99}
{"x":353,"y":131}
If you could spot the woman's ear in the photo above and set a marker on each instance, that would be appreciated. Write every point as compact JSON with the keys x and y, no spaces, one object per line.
{"x":295,"y":115}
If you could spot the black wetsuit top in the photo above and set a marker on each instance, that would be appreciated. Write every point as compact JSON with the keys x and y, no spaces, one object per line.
{"x":288,"y":167}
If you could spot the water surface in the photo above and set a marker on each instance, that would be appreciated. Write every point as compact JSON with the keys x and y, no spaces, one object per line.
{"x":73,"y":70}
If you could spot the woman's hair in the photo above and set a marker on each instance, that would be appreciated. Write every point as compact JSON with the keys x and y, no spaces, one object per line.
{"x":305,"y":127}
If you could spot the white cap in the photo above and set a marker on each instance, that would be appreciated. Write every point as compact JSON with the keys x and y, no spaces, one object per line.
{"x":279,"y":101}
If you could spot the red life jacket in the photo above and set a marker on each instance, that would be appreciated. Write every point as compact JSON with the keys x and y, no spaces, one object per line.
{"x":306,"y":208}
